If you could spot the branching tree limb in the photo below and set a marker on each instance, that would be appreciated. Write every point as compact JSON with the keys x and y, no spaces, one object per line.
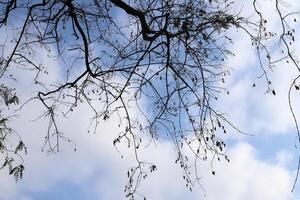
{"x":166,"y":60}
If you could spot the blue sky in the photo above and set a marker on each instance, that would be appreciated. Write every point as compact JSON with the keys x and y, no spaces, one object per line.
{"x":262,"y":167}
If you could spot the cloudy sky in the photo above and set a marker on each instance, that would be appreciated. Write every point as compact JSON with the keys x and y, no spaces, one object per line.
{"x":262,"y":166}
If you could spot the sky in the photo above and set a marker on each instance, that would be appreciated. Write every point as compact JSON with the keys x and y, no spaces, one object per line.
{"x":262,"y":166}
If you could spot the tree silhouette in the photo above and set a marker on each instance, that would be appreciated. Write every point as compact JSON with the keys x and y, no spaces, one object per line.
{"x":166,"y":58}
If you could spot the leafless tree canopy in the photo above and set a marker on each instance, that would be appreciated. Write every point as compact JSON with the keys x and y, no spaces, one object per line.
{"x":163,"y":59}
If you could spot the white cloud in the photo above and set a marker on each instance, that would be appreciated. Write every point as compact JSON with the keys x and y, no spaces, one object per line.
{"x":98,"y":168}
{"x":283,"y":157}
{"x":251,"y":109}
{"x":248,"y":177}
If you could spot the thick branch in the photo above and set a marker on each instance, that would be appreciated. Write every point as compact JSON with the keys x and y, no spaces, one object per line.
{"x":85,"y":41}
{"x":137,"y":13}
